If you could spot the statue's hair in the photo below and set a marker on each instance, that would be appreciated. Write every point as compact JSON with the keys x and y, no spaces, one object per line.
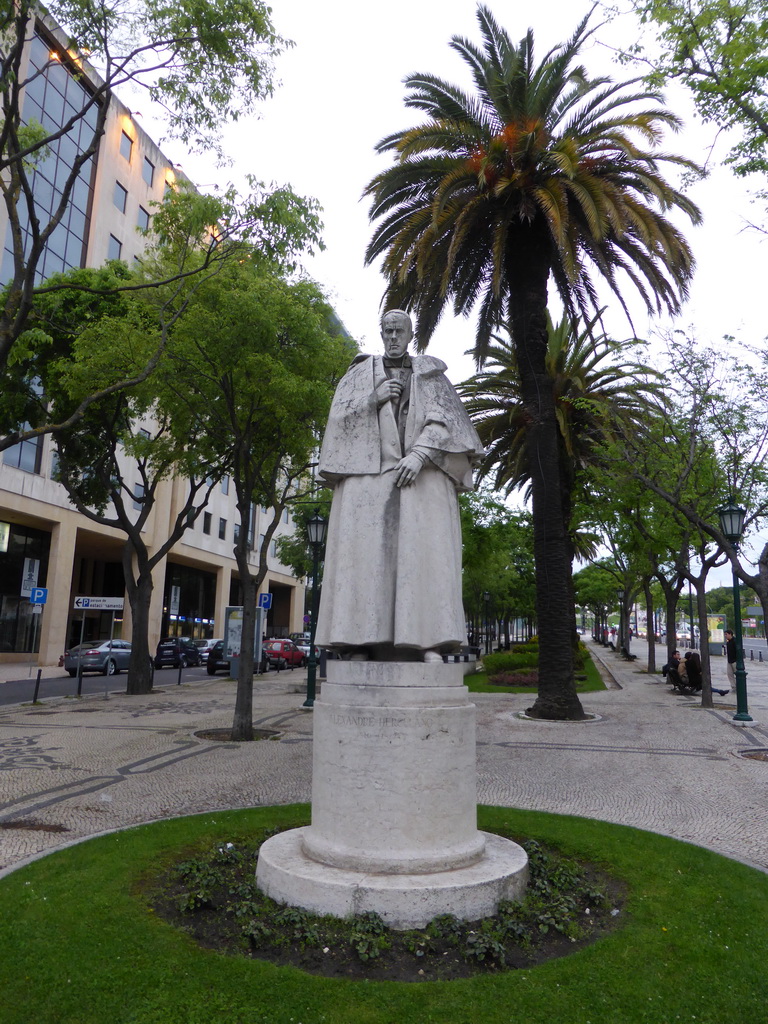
{"x":398,"y":312}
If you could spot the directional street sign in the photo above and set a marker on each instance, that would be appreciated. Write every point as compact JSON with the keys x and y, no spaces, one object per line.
{"x":101,"y":604}
{"x":39,"y":595}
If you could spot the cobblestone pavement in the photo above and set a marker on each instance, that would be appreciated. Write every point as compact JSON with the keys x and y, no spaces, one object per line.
{"x":654,"y":759}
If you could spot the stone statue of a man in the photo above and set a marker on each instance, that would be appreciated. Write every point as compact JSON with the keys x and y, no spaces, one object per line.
{"x":398,"y":447}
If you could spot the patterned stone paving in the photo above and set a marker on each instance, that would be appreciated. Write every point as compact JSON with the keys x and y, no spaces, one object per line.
{"x":653,"y":759}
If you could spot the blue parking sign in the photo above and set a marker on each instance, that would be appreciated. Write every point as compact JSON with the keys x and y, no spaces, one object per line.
{"x":265,"y":601}
{"x":39,"y":595}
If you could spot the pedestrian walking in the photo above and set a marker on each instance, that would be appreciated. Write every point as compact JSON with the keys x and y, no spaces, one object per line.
{"x":731,"y":655}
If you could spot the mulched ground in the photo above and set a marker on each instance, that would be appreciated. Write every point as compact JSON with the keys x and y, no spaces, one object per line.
{"x":223,"y":911}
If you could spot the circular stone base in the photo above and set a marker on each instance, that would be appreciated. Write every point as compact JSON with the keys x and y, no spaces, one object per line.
{"x":287,"y":875}
{"x":588,"y":717}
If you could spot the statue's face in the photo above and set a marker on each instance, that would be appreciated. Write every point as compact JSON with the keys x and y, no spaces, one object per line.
{"x":396,"y":332}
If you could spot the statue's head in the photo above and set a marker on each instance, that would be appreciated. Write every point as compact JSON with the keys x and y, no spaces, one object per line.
{"x":396,"y":332}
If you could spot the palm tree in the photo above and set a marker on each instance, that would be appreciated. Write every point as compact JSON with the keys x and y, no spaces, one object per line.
{"x":534,"y":176}
{"x":598,"y":396}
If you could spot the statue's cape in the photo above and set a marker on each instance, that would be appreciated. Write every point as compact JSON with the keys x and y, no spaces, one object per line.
{"x":437,"y":421}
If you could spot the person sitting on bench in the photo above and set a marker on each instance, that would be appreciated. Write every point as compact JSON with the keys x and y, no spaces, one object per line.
{"x":672,"y":670}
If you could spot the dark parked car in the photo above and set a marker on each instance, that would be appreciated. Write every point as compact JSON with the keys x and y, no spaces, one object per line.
{"x":219,"y":662}
{"x":177,"y":651}
{"x":108,"y":657}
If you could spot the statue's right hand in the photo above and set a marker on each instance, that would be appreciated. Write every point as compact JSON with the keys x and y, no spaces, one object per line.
{"x":387,"y":390}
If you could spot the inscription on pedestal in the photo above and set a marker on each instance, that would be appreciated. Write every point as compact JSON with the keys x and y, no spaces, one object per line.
{"x":386,"y":727}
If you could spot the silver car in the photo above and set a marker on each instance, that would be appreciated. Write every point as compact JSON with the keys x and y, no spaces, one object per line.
{"x":108,"y":657}
{"x":205,"y":647}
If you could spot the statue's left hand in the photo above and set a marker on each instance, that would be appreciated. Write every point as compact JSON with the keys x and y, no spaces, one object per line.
{"x":407,"y":470}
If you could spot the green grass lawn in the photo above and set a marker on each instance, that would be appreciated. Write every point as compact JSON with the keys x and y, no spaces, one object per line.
{"x":81,"y":946}
{"x":477,"y":682}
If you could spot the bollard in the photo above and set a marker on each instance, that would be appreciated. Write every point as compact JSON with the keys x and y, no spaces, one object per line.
{"x":761,"y":656}
{"x":181,"y":666}
{"x":37,"y":685}
{"x":751,"y":654}
{"x":79,"y":678}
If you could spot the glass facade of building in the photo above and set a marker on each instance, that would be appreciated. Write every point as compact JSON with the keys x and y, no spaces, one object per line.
{"x":19,"y":625}
{"x":51,"y":98}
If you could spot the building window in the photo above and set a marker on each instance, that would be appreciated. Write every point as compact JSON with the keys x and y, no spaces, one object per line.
{"x":126,"y":146}
{"x":114,"y":248}
{"x":148,"y":171}
{"x":120,"y":197}
{"x":222,"y":529}
{"x":138,"y":496}
{"x":207,"y":517}
{"x":225,"y":485}
{"x":236,"y":536}
{"x":26,"y":455}
{"x":143,"y":219}
{"x":273,"y":548}
{"x":51,"y":96}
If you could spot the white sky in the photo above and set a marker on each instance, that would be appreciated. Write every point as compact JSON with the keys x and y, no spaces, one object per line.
{"x":341,"y":91}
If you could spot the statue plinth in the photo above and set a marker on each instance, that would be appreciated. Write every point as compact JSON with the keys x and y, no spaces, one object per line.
{"x":394,"y":805}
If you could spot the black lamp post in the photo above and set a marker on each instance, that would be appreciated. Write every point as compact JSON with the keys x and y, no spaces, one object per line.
{"x":316,"y":530}
{"x":732,"y":525}
{"x":620,"y":598}
{"x":487,"y":599}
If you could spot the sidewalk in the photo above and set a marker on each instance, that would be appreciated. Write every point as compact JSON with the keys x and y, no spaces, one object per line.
{"x":653,"y":759}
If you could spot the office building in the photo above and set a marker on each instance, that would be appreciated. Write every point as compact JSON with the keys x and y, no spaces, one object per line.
{"x":44,"y":543}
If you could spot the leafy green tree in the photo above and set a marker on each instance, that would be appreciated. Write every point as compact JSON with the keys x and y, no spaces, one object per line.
{"x":720,"y":442}
{"x":497,"y":560}
{"x":718,"y":49}
{"x":203,"y":62}
{"x":117,"y":457}
{"x":537,"y":175}
{"x":595,"y":588}
{"x":294,"y":549}
{"x":257,"y":359}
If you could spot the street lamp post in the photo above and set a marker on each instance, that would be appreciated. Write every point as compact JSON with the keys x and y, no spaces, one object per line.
{"x":620,"y":596}
{"x":732,"y":525}
{"x":316,"y":530}
{"x":487,"y":598}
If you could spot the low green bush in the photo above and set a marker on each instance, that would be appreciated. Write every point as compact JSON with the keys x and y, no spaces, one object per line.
{"x":509,"y":661}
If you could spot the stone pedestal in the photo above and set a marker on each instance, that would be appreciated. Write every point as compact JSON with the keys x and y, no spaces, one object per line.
{"x":394,"y":819}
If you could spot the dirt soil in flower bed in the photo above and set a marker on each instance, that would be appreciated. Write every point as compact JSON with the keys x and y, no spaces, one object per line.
{"x":516,"y":678}
{"x":212,"y":896}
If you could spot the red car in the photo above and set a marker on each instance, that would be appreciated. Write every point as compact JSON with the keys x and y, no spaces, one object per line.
{"x":288,"y":651}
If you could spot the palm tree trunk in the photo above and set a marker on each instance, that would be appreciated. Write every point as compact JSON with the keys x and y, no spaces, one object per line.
{"x":528,"y":269}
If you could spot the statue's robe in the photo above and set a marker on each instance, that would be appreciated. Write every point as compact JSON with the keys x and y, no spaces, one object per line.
{"x":392,"y":572}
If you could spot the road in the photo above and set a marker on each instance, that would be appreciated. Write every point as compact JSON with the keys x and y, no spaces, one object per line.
{"x":22,"y":690}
